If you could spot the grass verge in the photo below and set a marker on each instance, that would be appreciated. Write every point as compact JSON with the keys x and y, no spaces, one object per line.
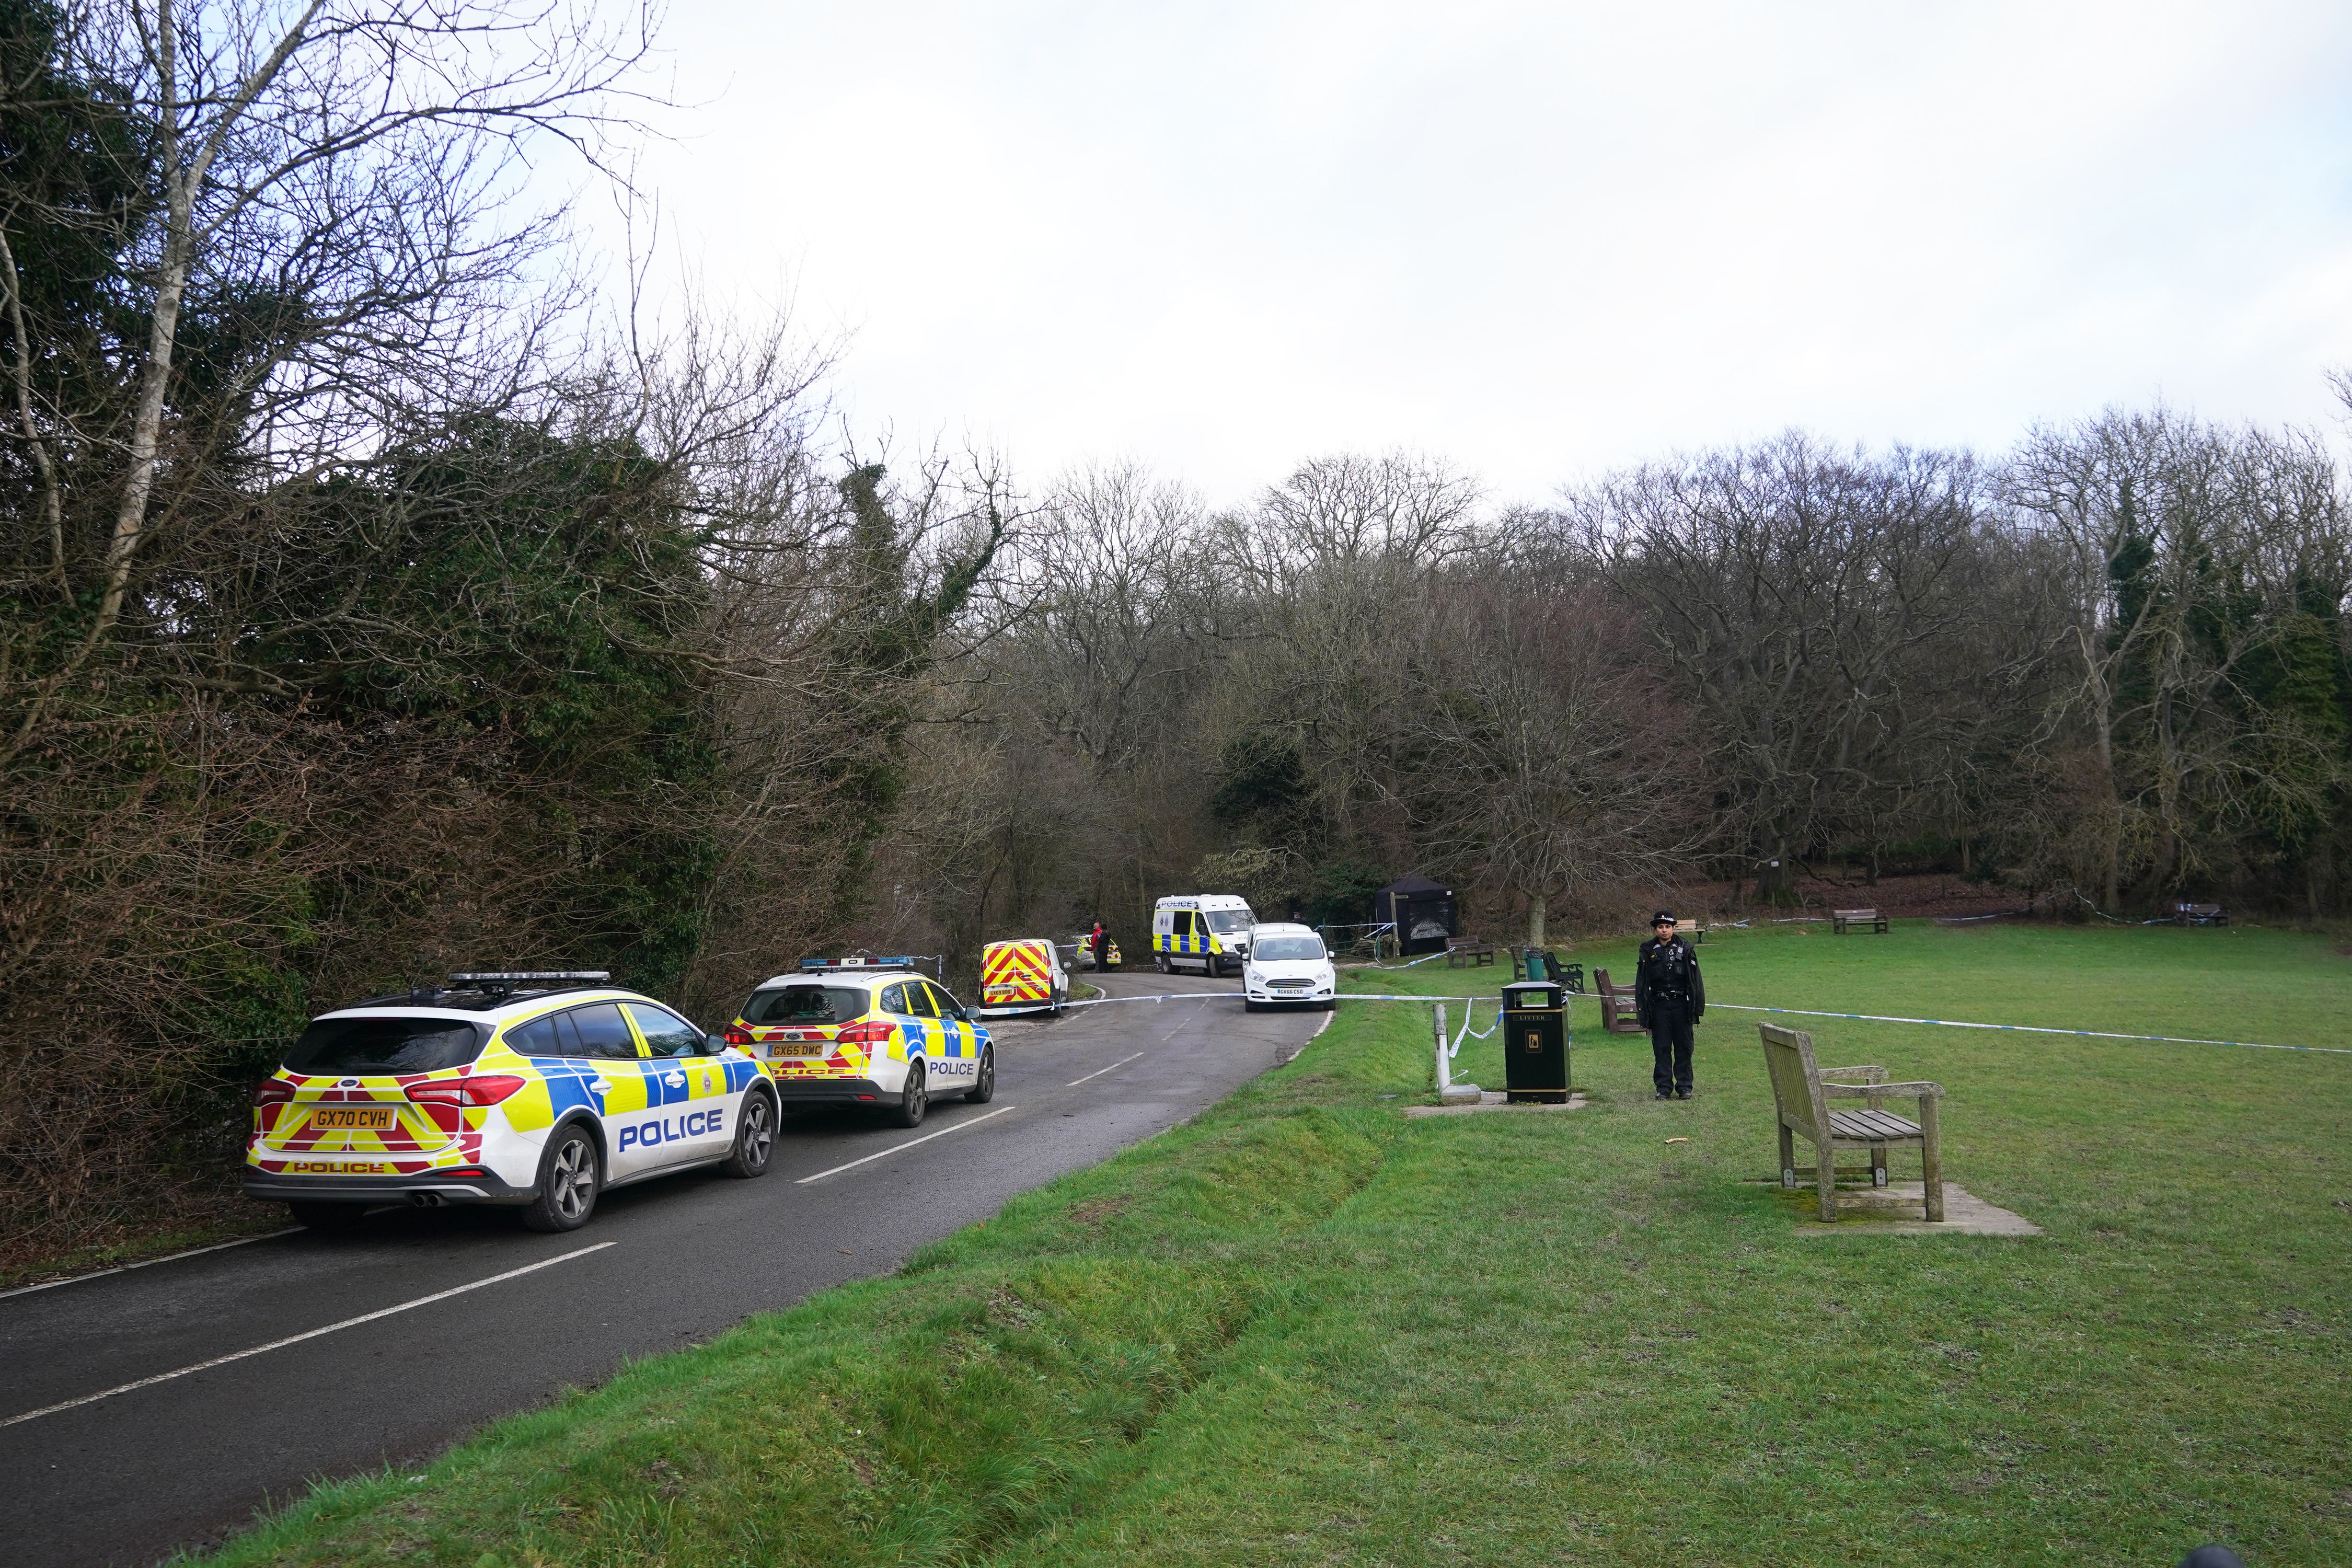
{"x":145,"y":1239}
{"x":1302,"y":1328}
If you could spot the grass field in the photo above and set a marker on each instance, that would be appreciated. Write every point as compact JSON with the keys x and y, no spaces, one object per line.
{"x":1303,"y":1329}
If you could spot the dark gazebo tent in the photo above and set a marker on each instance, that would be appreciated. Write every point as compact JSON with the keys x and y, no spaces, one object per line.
{"x":1422,"y":910}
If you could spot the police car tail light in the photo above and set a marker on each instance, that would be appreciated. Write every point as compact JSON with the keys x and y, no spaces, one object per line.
{"x":482,"y":1088}
{"x":272,"y":1091}
{"x":872,"y":1032}
{"x":737,"y":1035}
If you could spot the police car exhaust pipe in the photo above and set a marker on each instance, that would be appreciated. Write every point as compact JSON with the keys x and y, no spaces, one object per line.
{"x":426,"y":1200}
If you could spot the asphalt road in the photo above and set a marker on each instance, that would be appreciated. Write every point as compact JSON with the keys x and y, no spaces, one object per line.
{"x":185,"y":1461}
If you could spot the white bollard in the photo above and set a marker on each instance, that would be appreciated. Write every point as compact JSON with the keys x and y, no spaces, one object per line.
{"x":1449,"y":1092}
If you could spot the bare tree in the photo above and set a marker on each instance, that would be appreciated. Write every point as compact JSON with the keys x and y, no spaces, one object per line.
{"x":1820,"y":611}
{"x":331,"y":180}
{"x":1555,"y":765}
{"x":2186,"y":565}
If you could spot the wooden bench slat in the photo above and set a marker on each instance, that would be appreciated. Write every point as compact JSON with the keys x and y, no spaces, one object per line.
{"x":1872,"y":1124}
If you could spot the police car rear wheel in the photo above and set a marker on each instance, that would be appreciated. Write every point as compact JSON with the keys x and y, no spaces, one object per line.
{"x":328,"y":1217}
{"x":568,"y":1183}
{"x":913,"y":1100}
{"x":755,"y":1137}
{"x":983,"y":1084}
{"x":1161,"y":959}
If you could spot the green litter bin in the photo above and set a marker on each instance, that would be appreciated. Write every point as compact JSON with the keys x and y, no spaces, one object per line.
{"x":1535,"y":1043}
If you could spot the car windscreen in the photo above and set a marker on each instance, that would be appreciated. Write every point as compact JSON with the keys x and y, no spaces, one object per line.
{"x":384,"y":1046}
{"x":1277,"y":949}
{"x":807,"y":1004}
{"x":1225,"y":921}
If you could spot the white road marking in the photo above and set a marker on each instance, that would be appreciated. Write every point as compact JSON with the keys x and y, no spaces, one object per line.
{"x":1100,"y":1071}
{"x":148,"y":1262}
{"x":901,"y":1148}
{"x":310,"y":1334}
{"x":1313,"y":1037}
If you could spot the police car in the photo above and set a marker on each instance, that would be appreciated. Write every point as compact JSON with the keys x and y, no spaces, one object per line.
{"x":536,"y":1091}
{"x":1289,"y":963}
{"x":866,"y":1032}
{"x":1083,"y":944}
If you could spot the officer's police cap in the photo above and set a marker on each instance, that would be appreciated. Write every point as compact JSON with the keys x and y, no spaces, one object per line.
{"x":1663,"y":918}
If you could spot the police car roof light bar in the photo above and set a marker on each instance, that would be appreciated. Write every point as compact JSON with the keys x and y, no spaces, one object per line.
{"x":518,"y":977}
{"x":868,"y":961}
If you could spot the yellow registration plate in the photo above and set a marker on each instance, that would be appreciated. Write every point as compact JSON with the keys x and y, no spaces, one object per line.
{"x":352,"y":1119}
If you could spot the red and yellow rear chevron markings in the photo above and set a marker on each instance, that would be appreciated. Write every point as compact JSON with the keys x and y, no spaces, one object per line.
{"x":1015,"y":972}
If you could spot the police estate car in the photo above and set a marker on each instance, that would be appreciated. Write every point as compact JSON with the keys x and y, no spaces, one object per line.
{"x":536,"y":1091}
{"x":1287,"y":962}
{"x":870,"y":1032}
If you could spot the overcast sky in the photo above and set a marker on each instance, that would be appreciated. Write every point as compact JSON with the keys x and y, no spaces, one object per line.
{"x":1537,"y":240}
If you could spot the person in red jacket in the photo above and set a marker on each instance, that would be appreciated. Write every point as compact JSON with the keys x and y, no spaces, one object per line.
{"x":1101,"y":942}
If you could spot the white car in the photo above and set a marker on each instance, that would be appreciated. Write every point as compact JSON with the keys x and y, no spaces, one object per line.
{"x":1288,"y":965}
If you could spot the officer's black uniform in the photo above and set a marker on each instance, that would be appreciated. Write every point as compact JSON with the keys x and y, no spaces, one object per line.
{"x":1669,"y":997}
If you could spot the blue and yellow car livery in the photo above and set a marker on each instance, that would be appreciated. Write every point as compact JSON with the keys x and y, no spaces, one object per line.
{"x":453,"y":1096}
{"x":874,"y":1034}
{"x":1209,"y":932}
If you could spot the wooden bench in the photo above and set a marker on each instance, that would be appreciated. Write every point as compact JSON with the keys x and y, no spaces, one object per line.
{"x":1801,"y":1090}
{"x":1840,"y":918}
{"x":1693,"y":930}
{"x":1617,"y":1016}
{"x":2189,"y":914}
{"x":1467,"y":950}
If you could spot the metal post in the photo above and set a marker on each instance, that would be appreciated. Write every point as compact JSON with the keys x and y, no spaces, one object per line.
{"x":1448,"y":1092}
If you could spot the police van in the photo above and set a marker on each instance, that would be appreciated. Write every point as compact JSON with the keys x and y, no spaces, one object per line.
{"x":1207,"y":932}
{"x":1022,"y":974}
{"x":535,"y":1089}
{"x":872,"y":1032}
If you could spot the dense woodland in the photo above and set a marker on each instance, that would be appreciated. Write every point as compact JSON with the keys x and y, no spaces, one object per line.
{"x":379,"y":597}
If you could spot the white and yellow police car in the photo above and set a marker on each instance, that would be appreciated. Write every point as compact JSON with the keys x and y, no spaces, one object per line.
{"x":537,"y":1090}
{"x":866,"y":1032}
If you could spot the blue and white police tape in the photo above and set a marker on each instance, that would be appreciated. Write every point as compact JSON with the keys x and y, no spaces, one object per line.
{"x":1791,"y":1012}
{"x":2038,"y":1029}
{"x":1470,"y":1011}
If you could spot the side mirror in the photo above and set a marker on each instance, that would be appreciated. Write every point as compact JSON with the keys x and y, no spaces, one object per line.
{"x":716,"y":1042}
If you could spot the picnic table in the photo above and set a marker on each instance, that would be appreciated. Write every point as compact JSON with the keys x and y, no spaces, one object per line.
{"x":2188,"y":914}
{"x":1840,"y":918}
{"x":1467,"y":951}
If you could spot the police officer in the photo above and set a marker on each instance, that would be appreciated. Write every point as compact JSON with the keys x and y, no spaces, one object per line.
{"x":1669,"y":997}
